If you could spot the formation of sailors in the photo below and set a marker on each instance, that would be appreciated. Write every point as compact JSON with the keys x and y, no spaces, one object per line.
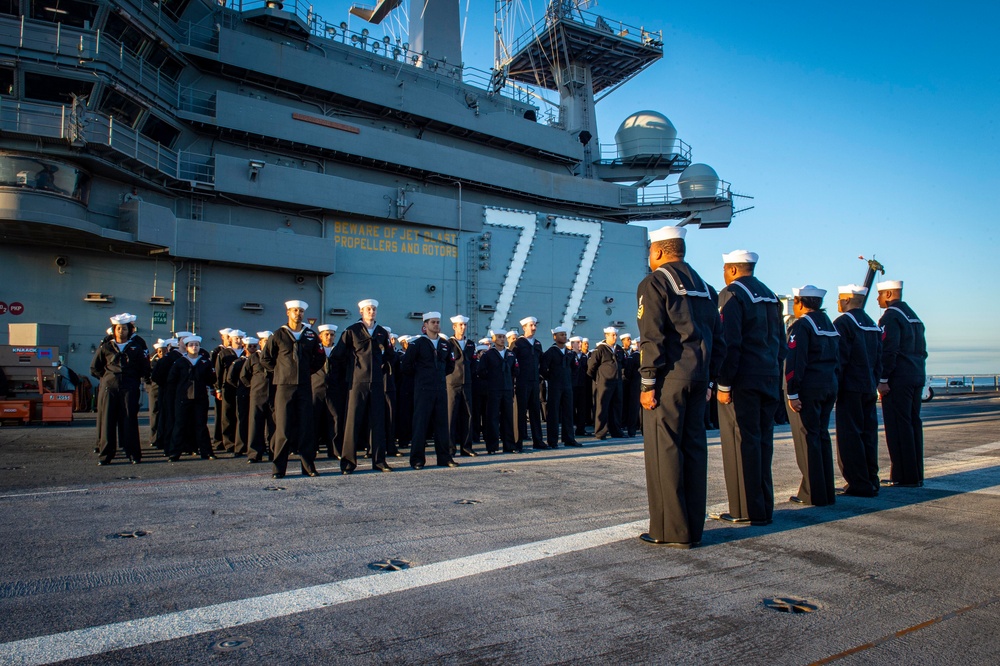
{"x":305,"y":392}
{"x":365,"y":393}
{"x":735,"y":345}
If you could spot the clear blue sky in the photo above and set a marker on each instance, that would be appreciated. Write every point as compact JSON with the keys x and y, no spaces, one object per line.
{"x":859,"y":128}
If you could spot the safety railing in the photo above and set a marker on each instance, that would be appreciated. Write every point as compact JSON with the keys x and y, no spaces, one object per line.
{"x":567,"y":11}
{"x":193,"y":100}
{"x":663,"y":194}
{"x":644,"y":148}
{"x":949,"y":384}
{"x":87,"y":46}
{"x":57,"y":122}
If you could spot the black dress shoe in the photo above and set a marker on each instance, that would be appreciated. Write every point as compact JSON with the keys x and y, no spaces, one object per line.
{"x":728,"y":518}
{"x":346,"y":472}
{"x":251,"y":461}
{"x":209,"y":457}
{"x":382,"y":468}
{"x":310,"y":472}
{"x":397,"y":454}
{"x":573,"y":443}
{"x":136,"y":462}
{"x":278,"y":475}
{"x":468,"y":454}
{"x":238,"y":455}
{"x":669,"y":544}
{"x":102,"y":463}
{"x":174,"y":458}
{"x":417,"y":465}
{"x":761,"y":523}
{"x":450,"y":463}
{"x":795,"y":499}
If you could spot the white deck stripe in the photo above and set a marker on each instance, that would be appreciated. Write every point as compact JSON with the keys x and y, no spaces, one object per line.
{"x":133,"y":633}
{"x":144,"y":631}
{"x":47,"y":492}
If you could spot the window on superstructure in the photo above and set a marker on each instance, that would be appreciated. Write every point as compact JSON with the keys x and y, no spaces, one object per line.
{"x":159,"y":58}
{"x":6,"y":81}
{"x":58,"y":89}
{"x":174,"y":8}
{"x":10,"y":7}
{"x":67,"y":12}
{"x":159,"y":131}
{"x":119,"y":107}
{"x":117,"y":29}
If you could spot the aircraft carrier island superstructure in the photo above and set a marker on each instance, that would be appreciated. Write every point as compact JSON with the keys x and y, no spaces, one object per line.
{"x":198,"y":164}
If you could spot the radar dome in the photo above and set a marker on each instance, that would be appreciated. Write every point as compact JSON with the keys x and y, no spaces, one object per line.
{"x":698,"y":181}
{"x":646,"y":133}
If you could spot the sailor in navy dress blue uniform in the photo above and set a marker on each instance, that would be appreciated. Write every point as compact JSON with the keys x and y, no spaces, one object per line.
{"x":856,"y":417}
{"x":363,"y":351}
{"x":527,"y":402}
{"x":193,"y":375}
{"x":680,"y":342}
{"x":429,"y":359}
{"x":557,"y":368}
{"x":811,"y":367}
{"x":460,"y":387}
{"x":121,"y":363}
{"x":498,"y":368}
{"x":749,"y":388}
{"x":605,"y":367}
{"x":904,"y":354}
{"x":293,"y":354}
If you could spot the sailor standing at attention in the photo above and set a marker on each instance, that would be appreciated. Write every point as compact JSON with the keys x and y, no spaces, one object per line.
{"x":811,"y":367}
{"x":498,"y":368}
{"x":324,"y":415}
{"x":460,"y":387}
{"x":856,"y":414}
{"x":260,"y":427}
{"x":528,"y":352}
{"x":904,"y":352}
{"x":362,"y":352}
{"x":631,"y":385}
{"x":121,"y":364}
{"x":429,"y":359}
{"x":293,"y":353}
{"x":681,"y":341}
{"x":749,"y":388}
{"x":605,"y":367}
{"x":558,"y":364}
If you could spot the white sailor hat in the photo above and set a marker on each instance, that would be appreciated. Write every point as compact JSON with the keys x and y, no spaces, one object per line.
{"x":191,"y":338}
{"x":585,"y":340}
{"x":481,"y":347}
{"x":251,"y":341}
{"x":387,"y":330}
{"x":528,"y":320}
{"x":485,"y":341}
{"x":889,"y":285}
{"x":237,"y":333}
{"x":494,"y":333}
{"x":559,"y":329}
{"x":625,"y":335}
{"x":460,"y":319}
{"x":296,"y":304}
{"x":809,"y":291}
{"x":668,"y":232}
{"x":367,"y":302}
{"x":123,"y":318}
{"x":611,"y":329}
{"x":576,"y":338}
{"x":110,"y":330}
{"x":172,"y":342}
{"x":222,"y":331}
{"x":511,"y":333}
{"x":740,"y":257}
{"x":180,"y":335}
{"x":264,"y":334}
{"x":326,"y":327}
{"x":432,"y":315}
{"x":160,"y":344}
{"x":853,"y":289}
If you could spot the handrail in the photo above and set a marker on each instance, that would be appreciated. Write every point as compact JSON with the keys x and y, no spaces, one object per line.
{"x":662,"y":194}
{"x":86,"y":45}
{"x":55,"y":121}
{"x":613,"y":152}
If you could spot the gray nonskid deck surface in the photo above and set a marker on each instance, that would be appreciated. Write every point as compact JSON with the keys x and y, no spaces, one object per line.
{"x":215,"y":534}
